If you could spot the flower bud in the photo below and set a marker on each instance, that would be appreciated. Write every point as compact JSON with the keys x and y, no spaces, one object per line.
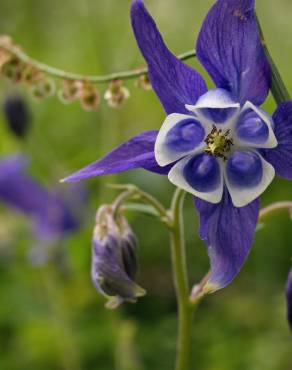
{"x":144,"y":83}
{"x":17,"y":115}
{"x":116,"y":94}
{"x":114,"y":258}
{"x":289,"y":298}
{"x":89,"y":97}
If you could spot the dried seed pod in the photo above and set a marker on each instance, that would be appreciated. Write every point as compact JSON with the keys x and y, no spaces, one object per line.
{"x":89,"y":97}
{"x":5,"y":57}
{"x":70,"y":91}
{"x":31,"y":75}
{"x":43,"y":88}
{"x":116,"y":94}
{"x":13,"y":69}
{"x":144,"y":83}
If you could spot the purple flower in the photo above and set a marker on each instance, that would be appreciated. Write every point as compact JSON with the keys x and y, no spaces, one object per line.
{"x":51,"y":215}
{"x":114,"y":258}
{"x":289,"y":298}
{"x":218,"y":145}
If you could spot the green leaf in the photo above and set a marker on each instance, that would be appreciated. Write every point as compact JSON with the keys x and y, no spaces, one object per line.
{"x":141,"y":208}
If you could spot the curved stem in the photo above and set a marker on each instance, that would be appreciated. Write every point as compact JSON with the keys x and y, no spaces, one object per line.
{"x":58,"y":73}
{"x":121,"y":199}
{"x":278,"y":87}
{"x":152,"y":201}
{"x":285,"y":205}
{"x":185,"y":309}
{"x":134,"y":191}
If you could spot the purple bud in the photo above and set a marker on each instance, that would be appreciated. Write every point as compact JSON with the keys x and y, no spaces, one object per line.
{"x":17,"y":115}
{"x":114,"y":257}
{"x":289,"y":298}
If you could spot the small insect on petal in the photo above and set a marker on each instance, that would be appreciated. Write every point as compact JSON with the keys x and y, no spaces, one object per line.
{"x":116,"y":94}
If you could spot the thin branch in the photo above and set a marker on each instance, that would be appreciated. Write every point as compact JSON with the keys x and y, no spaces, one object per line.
{"x":279,"y":206}
{"x":58,"y":73}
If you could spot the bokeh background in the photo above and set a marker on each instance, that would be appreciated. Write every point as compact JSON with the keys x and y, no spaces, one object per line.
{"x":51,"y":317}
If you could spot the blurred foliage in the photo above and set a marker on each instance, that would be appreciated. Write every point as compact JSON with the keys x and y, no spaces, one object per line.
{"x":51,"y":318}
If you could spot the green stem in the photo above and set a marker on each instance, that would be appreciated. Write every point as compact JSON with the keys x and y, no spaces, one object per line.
{"x":132,"y":191}
{"x":278,"y":88}
{"x":185,"y":309}
{"x":58,"y":73}
{"x":272,"y":208}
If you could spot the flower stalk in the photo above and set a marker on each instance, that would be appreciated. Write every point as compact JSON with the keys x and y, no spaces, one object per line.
{"x":59,"y":73}
{"x":185,"y":309}
{"x":187,"y":300}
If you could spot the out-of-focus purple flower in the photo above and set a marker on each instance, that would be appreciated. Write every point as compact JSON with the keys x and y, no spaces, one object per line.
{"x":289,"y":298}
{"x":219,"y":145}
{"x":114,"y":258}
{"x":52,"y":217}
{"x":17,"y":115}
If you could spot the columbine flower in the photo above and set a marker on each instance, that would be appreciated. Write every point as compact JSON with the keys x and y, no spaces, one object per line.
{"x":52,"y":217}
{"x":289,"y":298}
{"x":219,"y":145}
{"x":114,"y":260}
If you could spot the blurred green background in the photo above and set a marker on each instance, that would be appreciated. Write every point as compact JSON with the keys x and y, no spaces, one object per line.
{"x":55,"y":320}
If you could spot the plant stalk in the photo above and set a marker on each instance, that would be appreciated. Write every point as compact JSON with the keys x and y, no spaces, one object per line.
{"x":185,"y":309}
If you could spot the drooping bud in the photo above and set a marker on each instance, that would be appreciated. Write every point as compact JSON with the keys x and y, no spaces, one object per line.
{"x":116,"y":94}
{"x":144,"y":83}
{"x":289,"y":298}
{"x":89,"y":97}
{"x":17,"y":115}
{"x":114,"y":258}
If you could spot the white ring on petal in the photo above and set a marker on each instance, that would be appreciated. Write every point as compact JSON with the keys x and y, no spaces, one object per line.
{"x":176,"y":176}
{"x":163,"y":154}
{"x":214,"y":99}
{"x":272,"y":140}
{"x":243,"y":196}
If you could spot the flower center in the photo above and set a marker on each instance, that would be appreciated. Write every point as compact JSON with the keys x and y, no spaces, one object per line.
{"x":218,"y":143}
